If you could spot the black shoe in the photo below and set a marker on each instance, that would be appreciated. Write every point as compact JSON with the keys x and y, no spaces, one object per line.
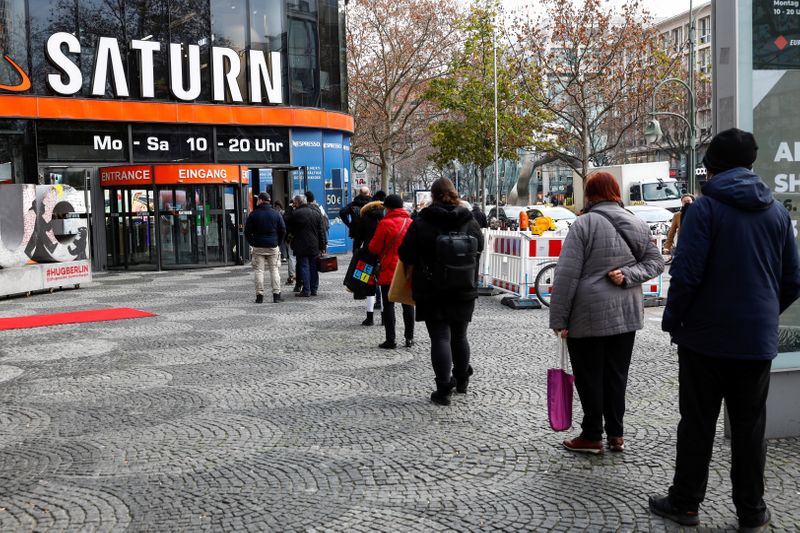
{"x":302,"y":295}
{"x":378,"y":305}
{"x":661,"y":506}
{"x":442,"y":394}
{"x":298,"y":288}
{"x":276,"y":298}
{"x":369,"y":321}
{"x":290,"y":281}
{"x":409,"y":343}
{"x":386,"y":345}
{"x":259,"y":298}
{"x":763,"y":525}
{"x":462,"y":382}
{"x":313,"y":293}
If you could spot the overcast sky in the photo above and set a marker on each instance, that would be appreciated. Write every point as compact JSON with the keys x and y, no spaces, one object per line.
{"x":659,"y":8}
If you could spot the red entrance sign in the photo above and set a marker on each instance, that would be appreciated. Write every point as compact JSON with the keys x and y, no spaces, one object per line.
{"x":172,"y":174}
{"x":121,"y":176}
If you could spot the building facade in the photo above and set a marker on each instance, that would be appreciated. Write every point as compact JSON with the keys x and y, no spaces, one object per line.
{"x":171,"y":115}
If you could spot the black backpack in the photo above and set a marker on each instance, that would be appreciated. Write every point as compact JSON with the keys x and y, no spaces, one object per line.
{"x":456,"y":261}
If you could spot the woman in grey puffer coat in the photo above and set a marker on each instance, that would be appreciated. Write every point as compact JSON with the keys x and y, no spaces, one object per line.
{"x":597,"y":305}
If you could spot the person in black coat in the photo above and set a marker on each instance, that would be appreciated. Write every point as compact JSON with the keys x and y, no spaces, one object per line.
{"x":363,"y":230}
{"x":310,"y":239}
{"x":265,"y":230}
{"x":480,"y":216}
{"x":351,"y":213}
{"x":446,"y":313}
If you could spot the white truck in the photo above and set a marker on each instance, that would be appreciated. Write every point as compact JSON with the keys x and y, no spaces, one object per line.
{"x":640,"y":184}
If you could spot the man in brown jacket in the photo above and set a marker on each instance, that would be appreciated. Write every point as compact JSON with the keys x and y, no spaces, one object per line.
{"x":686,"y":200}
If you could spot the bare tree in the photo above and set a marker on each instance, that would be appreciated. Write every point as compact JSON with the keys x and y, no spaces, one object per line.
{"x":394,"y":50}
{"x":599,"y":71}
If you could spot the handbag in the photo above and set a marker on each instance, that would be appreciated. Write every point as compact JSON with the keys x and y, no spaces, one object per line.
{"x":361,"y":276}
{"x":559,"y":393}
{"x":327,"y":263}
{"x":400,"y":289}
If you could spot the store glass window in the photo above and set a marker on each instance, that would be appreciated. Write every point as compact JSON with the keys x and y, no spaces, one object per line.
{"x":190,"y":23}
{"x":303,"y":53}
{"x":228,"y":29}
{"x":99,"y":18}
{"x":82,"y":141}
{"x":46,"y":18}
{"x":344,"y":106}
{"x":12,"y":151}
{"x":268,"y":31}
{"x":13,"y":40}
{"x":329,"y":74}
{"x":150,"y":23}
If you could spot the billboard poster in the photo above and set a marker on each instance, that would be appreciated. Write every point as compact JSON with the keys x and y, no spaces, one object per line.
{"x":776,"y":34}
{"x":422,"y":199}
{"x":334,"y":177}
{"x":776,"y":111}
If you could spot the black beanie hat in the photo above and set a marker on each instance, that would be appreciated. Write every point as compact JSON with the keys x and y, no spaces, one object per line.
{"x":730,"y":149}
{"x":379,"y":196}
{"x":393,"y":201}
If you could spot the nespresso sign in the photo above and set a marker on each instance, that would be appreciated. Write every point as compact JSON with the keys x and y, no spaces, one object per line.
{"x":265,"y":85}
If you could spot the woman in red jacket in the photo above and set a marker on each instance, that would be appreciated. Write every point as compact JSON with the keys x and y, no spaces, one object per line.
{"x":384,"y":244}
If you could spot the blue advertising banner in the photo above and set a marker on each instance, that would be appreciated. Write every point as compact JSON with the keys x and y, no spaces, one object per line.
{"x":310,"y":149}
{"x":333,"y":173}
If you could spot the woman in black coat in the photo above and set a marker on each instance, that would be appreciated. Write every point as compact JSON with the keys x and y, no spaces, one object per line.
{"x":446,"y":312}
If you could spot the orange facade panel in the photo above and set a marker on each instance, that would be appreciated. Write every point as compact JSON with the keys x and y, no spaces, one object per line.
{"x":45,"y":107}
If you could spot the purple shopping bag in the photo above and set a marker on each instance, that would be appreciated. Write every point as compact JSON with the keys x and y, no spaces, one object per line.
{"x":559,"y":393}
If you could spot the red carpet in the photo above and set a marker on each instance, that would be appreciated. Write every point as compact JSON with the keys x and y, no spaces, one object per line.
{"x":98,"y":315}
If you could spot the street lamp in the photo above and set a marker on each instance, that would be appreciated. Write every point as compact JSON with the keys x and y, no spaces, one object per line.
{"x":653,"y":132}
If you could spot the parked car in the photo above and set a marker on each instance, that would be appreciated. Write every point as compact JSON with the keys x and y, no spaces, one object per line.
{"x":658,"y":218}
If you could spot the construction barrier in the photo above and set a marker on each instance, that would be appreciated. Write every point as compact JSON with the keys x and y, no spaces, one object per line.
{"x":511,"y":260}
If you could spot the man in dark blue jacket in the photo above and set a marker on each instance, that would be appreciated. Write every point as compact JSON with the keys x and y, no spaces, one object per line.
{"x":265,"y":231}
{"x":734,"y":273}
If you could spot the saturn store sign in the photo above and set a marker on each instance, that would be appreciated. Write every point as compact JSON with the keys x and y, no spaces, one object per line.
{"x":64,"y":49}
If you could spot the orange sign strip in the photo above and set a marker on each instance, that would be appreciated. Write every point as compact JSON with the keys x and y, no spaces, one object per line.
{"x":177,"y":174}
{"x":48,"y":107}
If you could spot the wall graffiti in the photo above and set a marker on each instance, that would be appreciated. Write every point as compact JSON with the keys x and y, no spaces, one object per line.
{"x":42,"y":223}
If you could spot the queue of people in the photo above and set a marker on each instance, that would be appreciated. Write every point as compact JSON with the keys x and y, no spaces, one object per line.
{"x":736,"y":230}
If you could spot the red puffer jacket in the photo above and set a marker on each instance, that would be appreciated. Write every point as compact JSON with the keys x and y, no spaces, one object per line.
{"x":386,"y":241}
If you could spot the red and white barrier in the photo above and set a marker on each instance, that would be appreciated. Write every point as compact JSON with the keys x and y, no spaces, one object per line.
{"x":512,"y":259}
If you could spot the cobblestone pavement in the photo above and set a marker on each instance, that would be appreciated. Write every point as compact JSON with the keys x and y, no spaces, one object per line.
{"x":222,"y":415}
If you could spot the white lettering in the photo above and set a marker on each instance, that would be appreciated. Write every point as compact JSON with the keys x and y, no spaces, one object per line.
{"x":259,"y":76}
{"x":146,"y":51}
{"x":202,"y":173}
{"x":787,"y":183}
{"x":56,"y":56}
{"x":225,"y":77}
{"x":265,"y":83}
{"x":176,"y":84}
{"x":106,"y":143}
{"x":108,"y":49}
{"x":784,"y":152}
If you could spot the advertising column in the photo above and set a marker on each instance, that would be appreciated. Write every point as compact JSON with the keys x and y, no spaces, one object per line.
{"x":776,"y":115}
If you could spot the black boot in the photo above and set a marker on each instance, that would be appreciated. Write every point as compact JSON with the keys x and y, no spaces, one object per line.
{"x":463,"y":381}
{"x":298,"y":287}
{"x":259,"y":298}
{"x":441,"y":395}
{"x":276,"y":298}
{"x":370,"y":320}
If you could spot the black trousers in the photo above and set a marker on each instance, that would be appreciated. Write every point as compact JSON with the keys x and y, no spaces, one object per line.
{"x":449,"y":349}
{"x":704,"y":383}
{"x":387,"y":316}
{"x":600,"y":365}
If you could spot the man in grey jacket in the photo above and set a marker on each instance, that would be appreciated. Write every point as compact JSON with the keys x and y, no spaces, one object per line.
{"x":597,"y":305}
